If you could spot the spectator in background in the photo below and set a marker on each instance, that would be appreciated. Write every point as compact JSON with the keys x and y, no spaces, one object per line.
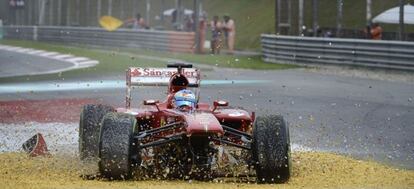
{"x":189,"y":22}
{"x":203,"y":28}
{"x":374,"y":31}
{"x":216,"y":27}
{"x":137,"y":23}
{"x":229,"y":29}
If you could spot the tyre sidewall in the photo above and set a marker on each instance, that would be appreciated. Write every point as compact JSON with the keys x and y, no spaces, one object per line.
{"x":89,"y":129}
{"x":115,"y":145}
{"x":271,"y":149}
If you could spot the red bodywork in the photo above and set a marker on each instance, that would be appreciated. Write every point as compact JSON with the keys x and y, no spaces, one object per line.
{"x":188,"y":142}
{"x":204,"y":120}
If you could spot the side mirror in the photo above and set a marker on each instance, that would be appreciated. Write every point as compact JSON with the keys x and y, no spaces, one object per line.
{"x":151,"y":102}
{"x":220,"y":103}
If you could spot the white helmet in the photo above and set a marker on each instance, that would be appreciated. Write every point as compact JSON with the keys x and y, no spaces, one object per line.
{"x":184,"y":97}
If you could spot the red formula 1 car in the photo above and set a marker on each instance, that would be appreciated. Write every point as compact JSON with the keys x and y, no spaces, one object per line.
{"x":163,"y":139}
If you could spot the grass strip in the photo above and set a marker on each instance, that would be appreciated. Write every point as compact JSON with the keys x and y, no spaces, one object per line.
{"x":114,"y":61}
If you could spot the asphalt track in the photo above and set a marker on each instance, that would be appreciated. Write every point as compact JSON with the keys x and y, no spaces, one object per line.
{"x":16,"y":64}
{"x":359,"y":117}
{"x":363,"y":118}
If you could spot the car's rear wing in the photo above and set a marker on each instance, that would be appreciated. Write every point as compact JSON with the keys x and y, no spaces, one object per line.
{"x":136,"y":76}
{"x":160,"y":76}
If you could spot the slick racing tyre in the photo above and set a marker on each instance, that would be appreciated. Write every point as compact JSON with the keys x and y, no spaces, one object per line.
{"x":271,"y":149}
{"x":116,"y":147}
{"x":89,"y":130}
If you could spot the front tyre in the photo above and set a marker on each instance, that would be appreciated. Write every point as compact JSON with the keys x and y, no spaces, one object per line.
{"x":271,"y":149}
{"x":116,"y":146}
{"x":89,"y":130}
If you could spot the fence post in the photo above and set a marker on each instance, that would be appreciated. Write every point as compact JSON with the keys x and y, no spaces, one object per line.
{"x":42,"y":12}
{"x":51,"y":14}
{"x":35,"y":33}
{"x":197,"y":27}
{"x":401,"y":29}
{"x":68,"y":11}
{"x":1,"y":29}
{"x":339,"y":17}
{"x":315,"y":17}
{"x":300,"y":22}
{"x":109,"y":7}
{"x":98,"y":9}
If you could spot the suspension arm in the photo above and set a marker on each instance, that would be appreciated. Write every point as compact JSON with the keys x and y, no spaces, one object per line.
{"x":236,"y":132}
{"x":230,"y":143}
{"x":162,"y":141}
{"x":150,"y":132}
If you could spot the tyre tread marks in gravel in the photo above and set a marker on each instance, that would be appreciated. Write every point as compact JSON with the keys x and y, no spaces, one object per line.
{"x":89,"y":129}
{"x":271,"y":149}
{"x":115,"y":145}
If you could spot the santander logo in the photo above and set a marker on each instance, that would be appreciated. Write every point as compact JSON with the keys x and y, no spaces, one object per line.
{"x":161,"y":72}
{"x":135,"y":73}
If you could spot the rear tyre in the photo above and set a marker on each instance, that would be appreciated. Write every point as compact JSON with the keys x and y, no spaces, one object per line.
{"x":89,"y":130}
{"x":116,"y":147}
{"x":271,"y":149}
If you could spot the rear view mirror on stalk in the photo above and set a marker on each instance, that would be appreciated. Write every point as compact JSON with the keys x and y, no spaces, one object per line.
{"x":220,"y":103}
{"x":151,"y":102}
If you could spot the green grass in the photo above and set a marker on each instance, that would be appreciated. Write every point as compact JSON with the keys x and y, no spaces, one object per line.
{"x":110,"y":62}
{"x":115,"y":61}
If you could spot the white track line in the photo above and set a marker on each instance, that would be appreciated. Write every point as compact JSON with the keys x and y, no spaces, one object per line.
{"x":48,"y":54}
{"x":24,"y":50}
{"x":77,"y":59}
{"x":89,"y":62}
{"x":78,"y":62}
{"x":63,"y":56}
{"x":9,"y":48}
{"x":35,"y":52}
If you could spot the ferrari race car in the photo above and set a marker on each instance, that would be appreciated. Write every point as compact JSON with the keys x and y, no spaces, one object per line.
{"x":181,"y":137}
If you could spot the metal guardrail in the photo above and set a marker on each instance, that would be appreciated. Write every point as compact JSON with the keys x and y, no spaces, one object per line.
{"x":353,"y":52}
{"x":146,"y":39}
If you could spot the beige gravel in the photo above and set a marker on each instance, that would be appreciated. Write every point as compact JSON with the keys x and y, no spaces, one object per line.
{"x":310,"y":170}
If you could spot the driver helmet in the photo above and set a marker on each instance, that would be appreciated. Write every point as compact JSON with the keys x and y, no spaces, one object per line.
{"x":184,"y":98}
